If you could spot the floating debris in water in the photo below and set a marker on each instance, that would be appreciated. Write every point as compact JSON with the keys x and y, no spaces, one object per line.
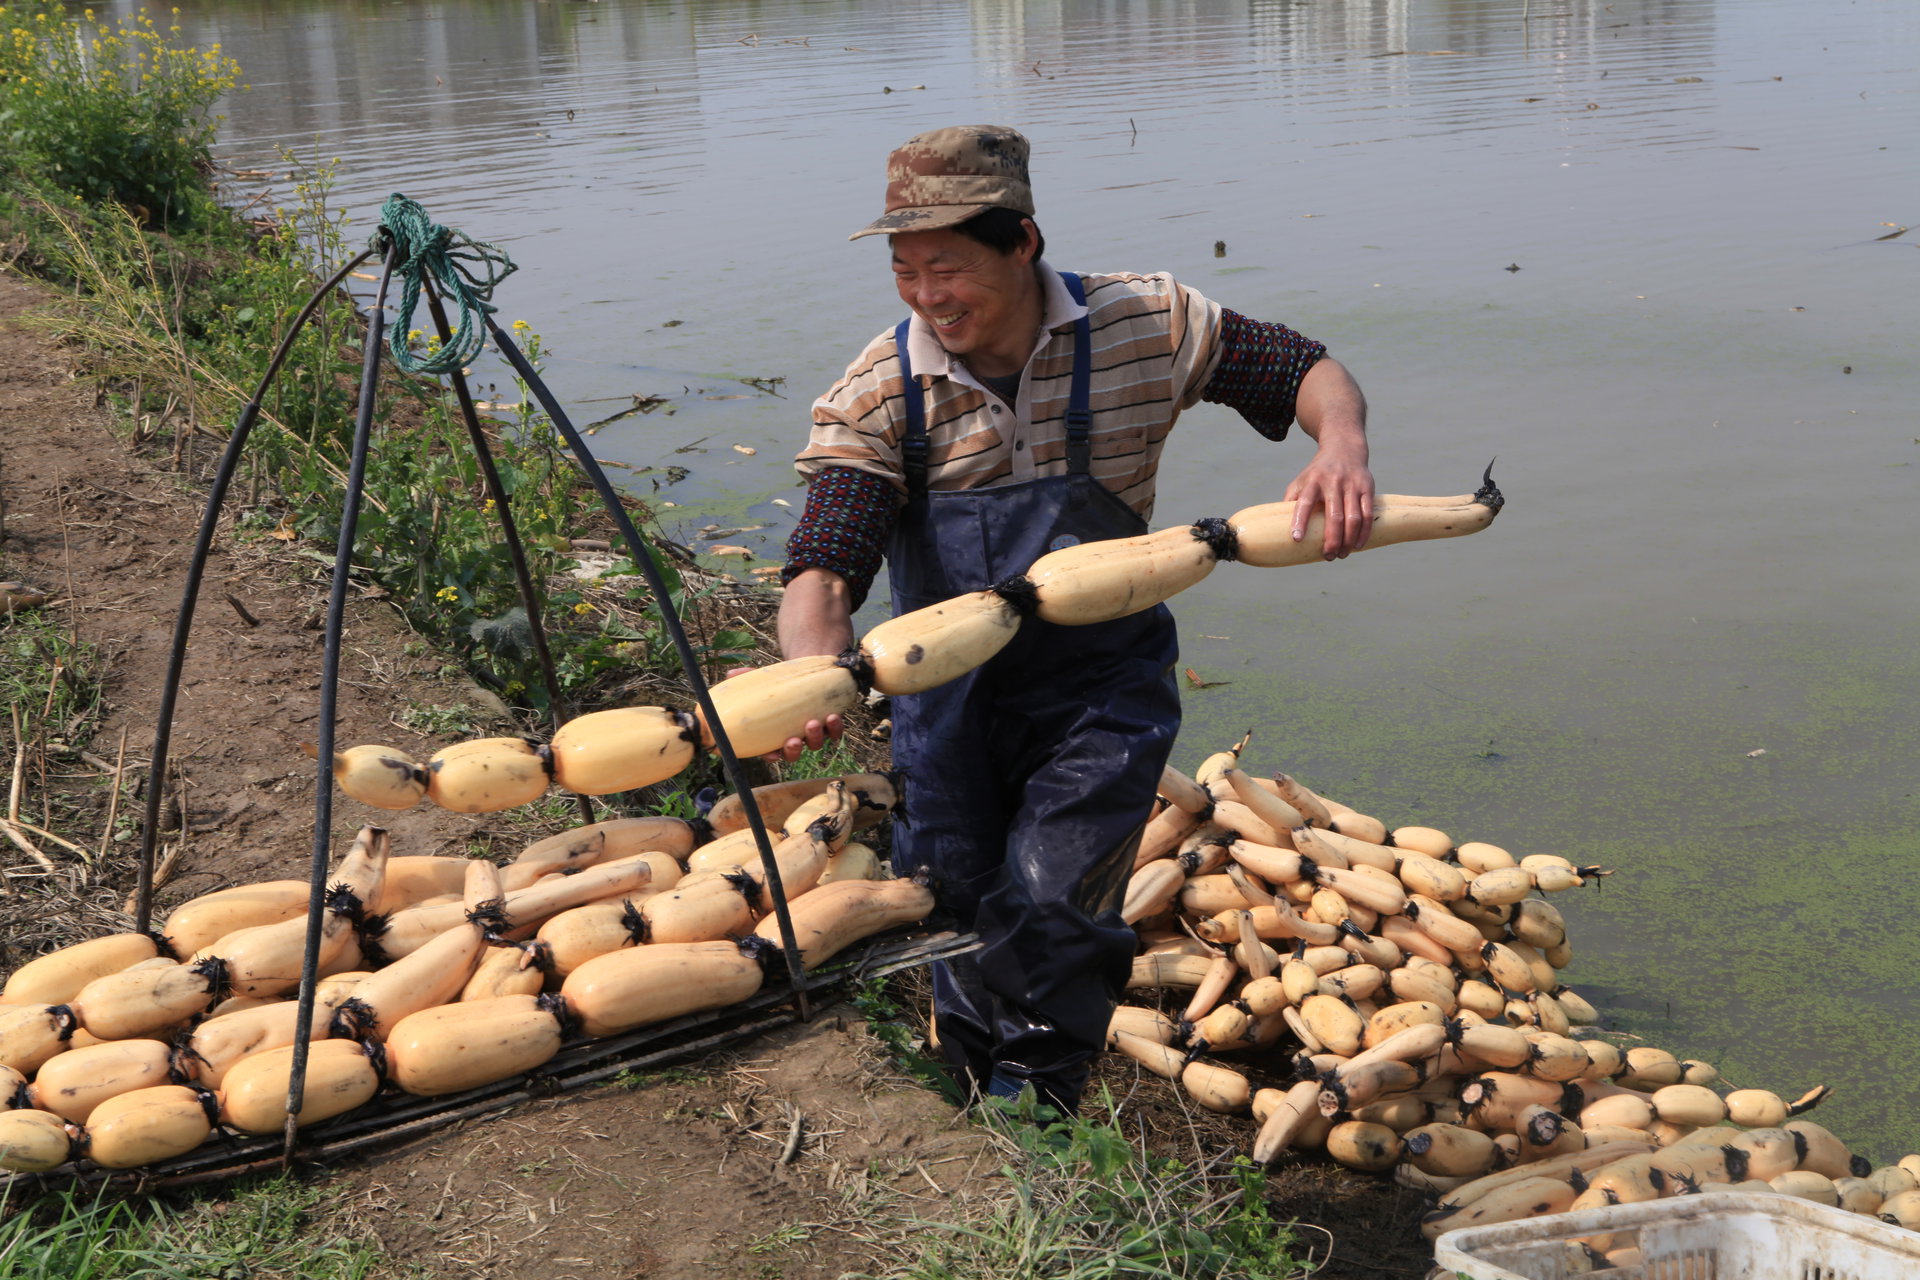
{"x":747,"y":449}
{"x":641,"y":404}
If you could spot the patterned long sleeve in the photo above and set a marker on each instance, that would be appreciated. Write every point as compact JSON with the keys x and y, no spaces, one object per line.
{"x":848,"y":519}
{"x":1260,"y":369}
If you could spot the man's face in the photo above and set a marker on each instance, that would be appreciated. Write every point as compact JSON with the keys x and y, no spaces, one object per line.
{"x":973,"y":297}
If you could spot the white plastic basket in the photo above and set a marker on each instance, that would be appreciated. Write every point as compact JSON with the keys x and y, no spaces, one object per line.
{"x":1720,"y":1235}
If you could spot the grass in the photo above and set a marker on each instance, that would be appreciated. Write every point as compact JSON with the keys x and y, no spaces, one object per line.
{"x":47,"y":678}
{"x":880,"y":1002}
{"x":440,"y":721}
{"x":831,"y":760}
{"x":260,"y":1232}
{"x":632,"y":1079}
{"x":1080,"y":1199}
{"x":50,"y":683}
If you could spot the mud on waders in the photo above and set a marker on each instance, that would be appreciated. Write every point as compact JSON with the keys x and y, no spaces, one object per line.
{"x":1032,"y":775}
{"x":432,"y":259}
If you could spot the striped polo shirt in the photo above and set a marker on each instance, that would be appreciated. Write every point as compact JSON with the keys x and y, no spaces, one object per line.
{"x":1155,"y":345}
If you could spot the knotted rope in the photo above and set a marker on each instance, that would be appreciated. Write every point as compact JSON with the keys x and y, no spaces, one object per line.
{"x":466,"y":270}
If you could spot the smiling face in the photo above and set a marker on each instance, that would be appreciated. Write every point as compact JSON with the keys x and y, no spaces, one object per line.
{"x":982,"y":304}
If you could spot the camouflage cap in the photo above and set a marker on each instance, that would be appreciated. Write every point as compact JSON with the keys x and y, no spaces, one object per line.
{"x":944,"y":177}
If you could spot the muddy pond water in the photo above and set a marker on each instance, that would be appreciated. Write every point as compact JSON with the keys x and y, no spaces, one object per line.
{"x":1646,"y":252}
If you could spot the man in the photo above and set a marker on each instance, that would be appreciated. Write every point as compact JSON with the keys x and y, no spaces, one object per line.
{"x":1018,"y":410}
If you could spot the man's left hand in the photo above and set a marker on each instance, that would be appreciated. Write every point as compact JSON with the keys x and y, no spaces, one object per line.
{"x":815,"y":735}
{"x":1337,"y":481}
{"x":1340,"y":485}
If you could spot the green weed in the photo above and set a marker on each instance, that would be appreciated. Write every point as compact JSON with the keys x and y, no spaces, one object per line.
{"x":674,"y":804}
{"x":439,"y":722}
{"x":781,"y":1238}
{"x":48,"y":679}
{"x":632,"y":1079}
{"x":117,"y":113}
{"x":260,"y":1233}
{"x":875,"y":1002}
{"x":830,"y":761}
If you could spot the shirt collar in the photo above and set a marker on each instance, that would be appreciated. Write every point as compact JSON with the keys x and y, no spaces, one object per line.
{"x":930,"y":359}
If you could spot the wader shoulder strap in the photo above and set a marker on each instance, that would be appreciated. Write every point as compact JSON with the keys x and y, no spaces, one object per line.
{"x":913,"y":445}
{"x":1079,"y":416}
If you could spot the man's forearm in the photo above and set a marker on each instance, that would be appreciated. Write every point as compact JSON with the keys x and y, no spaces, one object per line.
{"x":816,"y":615}
{"x":1332,"y":410}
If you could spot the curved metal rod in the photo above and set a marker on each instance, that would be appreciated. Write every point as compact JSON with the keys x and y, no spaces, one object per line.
{"x":190,"y":594}
{"x":509,"y":530}
{"x":329,"y":691}
{"x":643,"y":557}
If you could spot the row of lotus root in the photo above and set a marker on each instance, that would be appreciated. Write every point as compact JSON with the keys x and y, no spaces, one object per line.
{"x":437,"y":974}
{"x":628,"y":747}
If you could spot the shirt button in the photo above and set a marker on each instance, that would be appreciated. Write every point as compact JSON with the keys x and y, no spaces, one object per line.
{"x":996,"y":408}
{"x":1019,"y":444}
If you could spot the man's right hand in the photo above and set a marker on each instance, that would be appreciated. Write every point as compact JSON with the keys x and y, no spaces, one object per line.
{"x":816,"y":618}
{"x":815,"y":735}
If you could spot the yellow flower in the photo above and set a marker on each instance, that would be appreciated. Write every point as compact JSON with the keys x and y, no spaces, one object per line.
{"x":583,"y":607}
{"x":521,"y":325}
{"x":446,"y":593}
{"x":489,"y":506}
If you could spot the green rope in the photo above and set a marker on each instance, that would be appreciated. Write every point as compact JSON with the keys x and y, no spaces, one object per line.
{"x":465,"y":270}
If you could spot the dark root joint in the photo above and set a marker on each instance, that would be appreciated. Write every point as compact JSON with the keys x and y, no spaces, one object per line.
{"x":353,"y":1020}
{"x":1488,"y":494}
{"x":1019,"y":592}
{"x":1219,"y":537}
{"x":856,"y":663}
{"x":343,"y":901}
{"x":554,"y":1003}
